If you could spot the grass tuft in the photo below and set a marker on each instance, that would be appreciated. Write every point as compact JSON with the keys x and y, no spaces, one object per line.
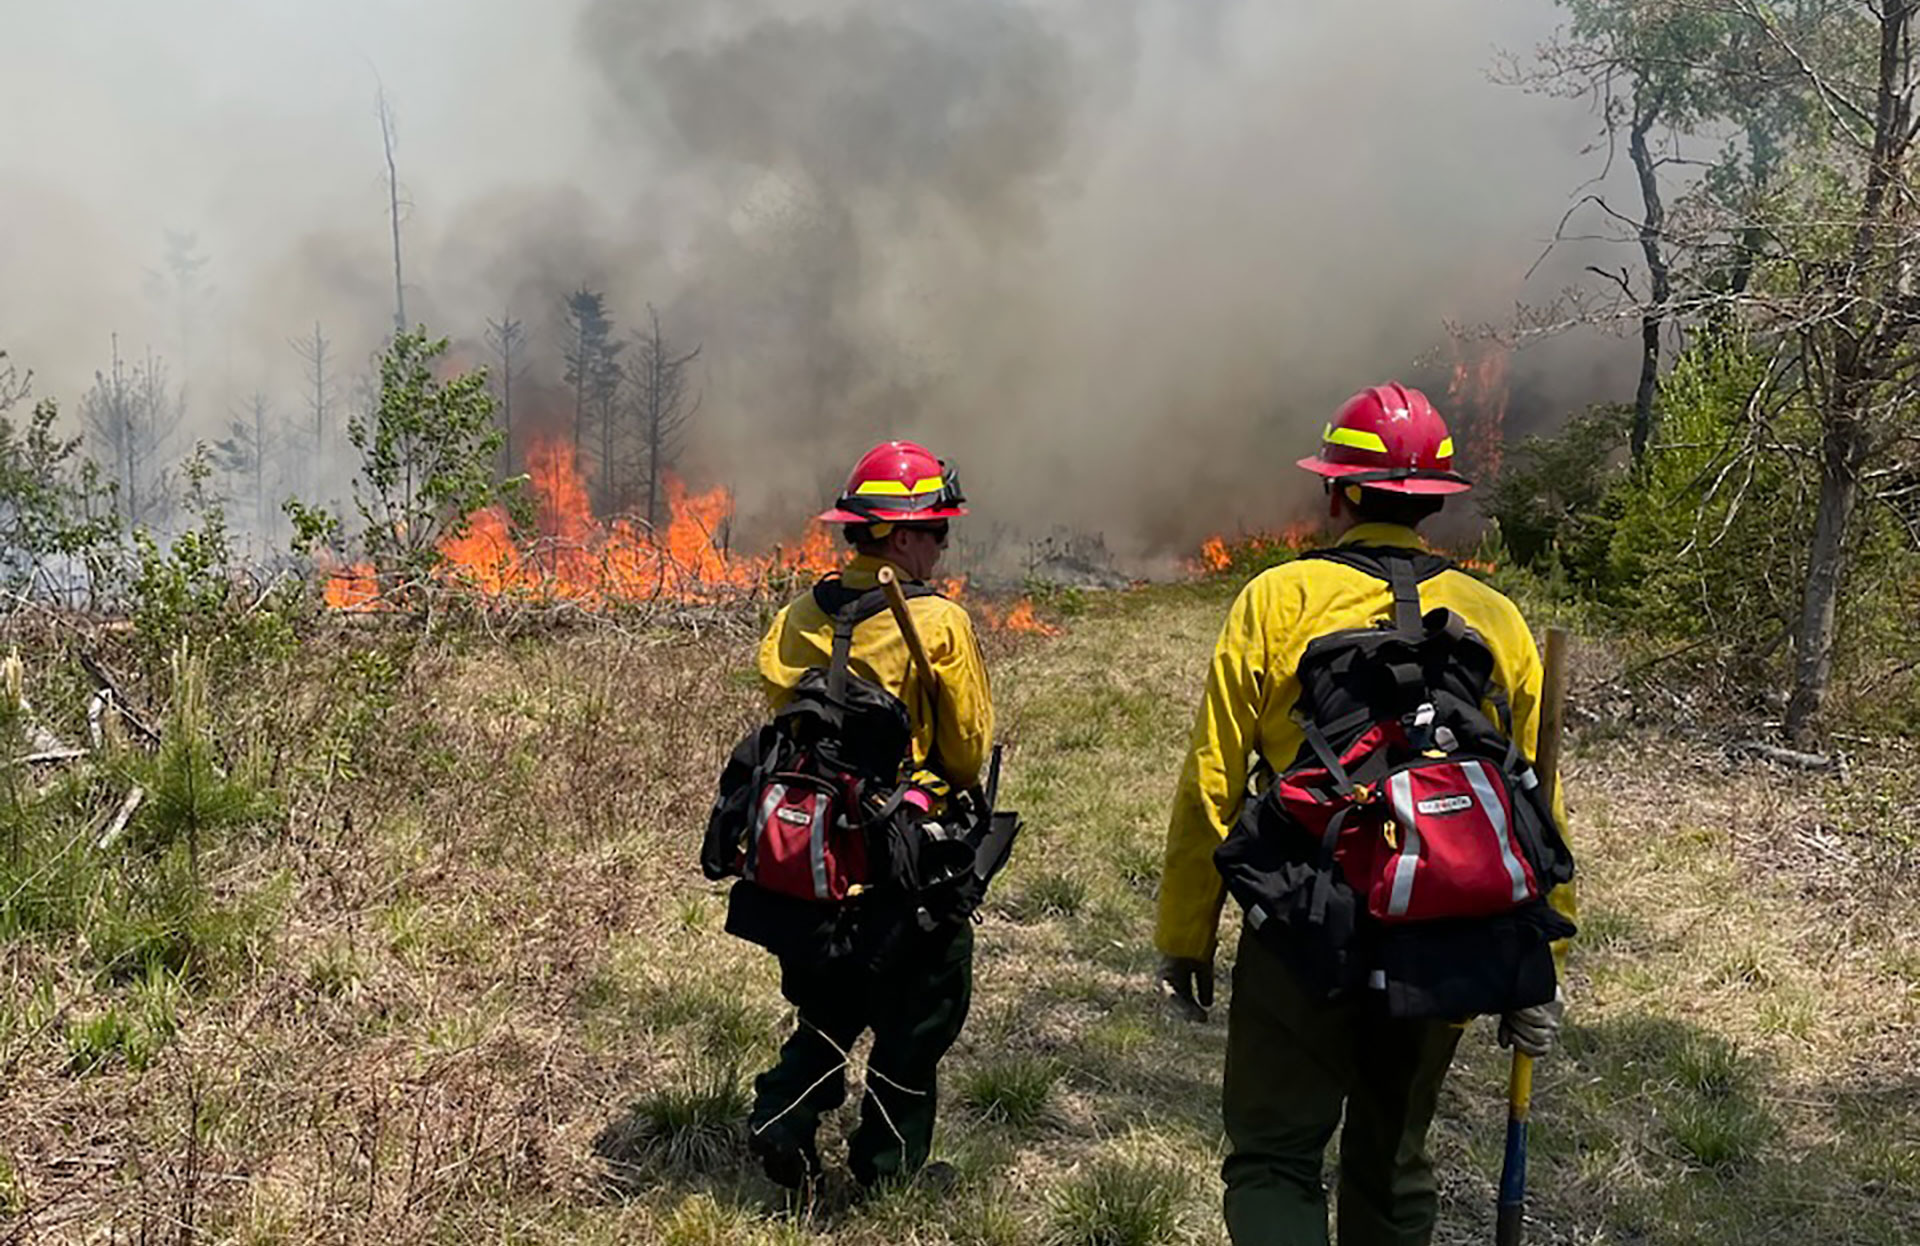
{"x":692,"y":1127}
{"x":1015,"y":1091}
{"x":1119,"y":1201}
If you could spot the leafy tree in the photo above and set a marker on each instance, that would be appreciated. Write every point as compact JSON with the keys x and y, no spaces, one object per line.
{"x":427,"y":453}
{"x":57,"y":527}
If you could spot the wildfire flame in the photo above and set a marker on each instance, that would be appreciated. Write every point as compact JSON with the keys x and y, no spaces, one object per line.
{"x":1218,"y":552}
{"x":1477,"y":404}
{"x":576,"y":557}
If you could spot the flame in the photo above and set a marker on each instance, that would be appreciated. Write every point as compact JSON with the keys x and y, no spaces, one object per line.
{"x":1218,"y":552}
{"x":1021,"y":618}
{"x":354,"y":589}
{"x":1477,"y":404}
{"x":573,"y":556}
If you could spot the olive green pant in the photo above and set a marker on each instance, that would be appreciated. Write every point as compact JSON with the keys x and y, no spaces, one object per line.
{"x":1293,"y":1062}
{"x":915,"y":1010}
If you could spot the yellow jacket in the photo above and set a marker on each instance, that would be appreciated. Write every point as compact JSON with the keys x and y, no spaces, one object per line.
{"x":952,"y":729}
{"x":1252,"y":685}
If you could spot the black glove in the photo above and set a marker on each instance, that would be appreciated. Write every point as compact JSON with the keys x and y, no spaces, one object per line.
{"x":1191,"y":984}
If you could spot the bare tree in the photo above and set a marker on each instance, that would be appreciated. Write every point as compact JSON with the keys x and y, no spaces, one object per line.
{"x":131,"y":415}
{"x":661,"y":403}
{"x":315,"y":353}
{"x":14,"y":384}
{"x":387,"y":140}
{"x":181,"y":289}
{"x":242,"y":457}
{"x":508,"y":338}
{"x":593,"y":370}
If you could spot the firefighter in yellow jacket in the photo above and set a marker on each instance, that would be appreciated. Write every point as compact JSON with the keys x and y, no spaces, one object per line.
{"x":896,"y":508}
{"x":1297,"y":1062}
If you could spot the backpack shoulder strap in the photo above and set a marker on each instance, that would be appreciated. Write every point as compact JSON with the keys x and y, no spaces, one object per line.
{"x":848,"y":608}
{"x":1403,"y":570}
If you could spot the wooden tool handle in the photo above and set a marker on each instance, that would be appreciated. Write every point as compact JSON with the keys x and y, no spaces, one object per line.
{"x":897,"y":602}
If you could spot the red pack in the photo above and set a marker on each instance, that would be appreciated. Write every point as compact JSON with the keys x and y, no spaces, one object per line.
{"x":1435,"y":839}
{"x":801,"y":841}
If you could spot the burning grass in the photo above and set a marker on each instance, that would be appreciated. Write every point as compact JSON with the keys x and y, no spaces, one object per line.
{"x":490,"y":944}
{"x":574,"y":558}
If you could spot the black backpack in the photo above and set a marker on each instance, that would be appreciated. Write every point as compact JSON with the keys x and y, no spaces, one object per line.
{"x":1407,"y":850}
{"x":810,"y":815}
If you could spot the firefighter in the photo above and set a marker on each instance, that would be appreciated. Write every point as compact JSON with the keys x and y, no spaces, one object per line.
{"x":1296,"y":1060}
{"x":895,"y":510}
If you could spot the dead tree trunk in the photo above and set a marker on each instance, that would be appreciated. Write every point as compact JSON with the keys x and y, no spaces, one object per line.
{"x":393,"y":213}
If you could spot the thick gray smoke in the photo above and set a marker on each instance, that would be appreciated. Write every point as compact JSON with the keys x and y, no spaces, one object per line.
{"x":1118,"y":258}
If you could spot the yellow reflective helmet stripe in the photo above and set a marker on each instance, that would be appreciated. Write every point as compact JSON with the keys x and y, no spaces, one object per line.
{"x":1446,"y":448}
{"x":899,"y":489}
{"x":1357,"y":438}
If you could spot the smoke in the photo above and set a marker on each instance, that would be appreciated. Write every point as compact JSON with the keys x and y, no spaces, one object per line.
{"x":1117,"y":258}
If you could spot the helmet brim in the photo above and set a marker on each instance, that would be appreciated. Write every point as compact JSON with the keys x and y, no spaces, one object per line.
{"x":1434,"y":485}
{"x":881,"y":515}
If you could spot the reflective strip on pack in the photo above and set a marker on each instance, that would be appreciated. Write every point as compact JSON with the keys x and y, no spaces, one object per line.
{"x":817,"y":847}
{"x":1256,"y":917}
{"x":1357,"y":438}
{"x":1482,"y":784}
{"x":1401,"y":789}
{"x":767,"y":806}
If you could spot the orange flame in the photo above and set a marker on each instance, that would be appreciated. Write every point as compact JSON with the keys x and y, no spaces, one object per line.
{"x":575,"y":557}
{"x":354,"y":589}
{"x":1218,"y":553}
{"x":1477,"y":404}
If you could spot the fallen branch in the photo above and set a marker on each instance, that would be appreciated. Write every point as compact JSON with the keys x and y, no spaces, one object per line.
{"x":1792,"y":758}
{"x":118,"y":827}
{"x":105,"y":683}
{"x":50,"y":755}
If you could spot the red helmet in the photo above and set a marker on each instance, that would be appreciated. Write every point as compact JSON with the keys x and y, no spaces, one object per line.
{"x":899,"y":482}
{"x":1389,"y":437}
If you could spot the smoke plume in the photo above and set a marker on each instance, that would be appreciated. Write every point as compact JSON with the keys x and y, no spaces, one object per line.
{"x":1117,"y":258}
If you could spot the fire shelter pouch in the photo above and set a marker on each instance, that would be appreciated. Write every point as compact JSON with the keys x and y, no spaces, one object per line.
{"x":801,"y":841}
{"x":1450,"y":846}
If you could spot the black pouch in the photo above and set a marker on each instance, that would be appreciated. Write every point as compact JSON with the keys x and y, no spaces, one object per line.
{"x":1452,"y":970}
{"x":794,"y":928}
{"x":1300,"y":908}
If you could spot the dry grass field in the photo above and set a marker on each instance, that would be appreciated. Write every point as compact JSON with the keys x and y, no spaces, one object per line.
{"x":447,"y":972}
